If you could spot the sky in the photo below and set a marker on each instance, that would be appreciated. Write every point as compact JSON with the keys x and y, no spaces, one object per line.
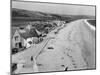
{"x":65,"y":9}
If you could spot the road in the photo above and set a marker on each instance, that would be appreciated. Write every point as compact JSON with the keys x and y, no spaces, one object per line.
{"x":24,"y":57}
{"x":32,"y":51}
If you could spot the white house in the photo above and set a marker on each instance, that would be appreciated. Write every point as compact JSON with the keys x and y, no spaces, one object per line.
{"x":30,"y":37}
{"x":25,"y":37}
{"x":17,"y":40}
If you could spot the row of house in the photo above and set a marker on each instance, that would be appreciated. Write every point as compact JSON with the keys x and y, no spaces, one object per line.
{"x":25,"y":37}
{"x":59,"y":23}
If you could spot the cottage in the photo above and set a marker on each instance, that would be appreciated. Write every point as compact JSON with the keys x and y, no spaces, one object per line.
{"x":25,"y":37}
{"x":30,"y":37}
{"x":16,"y":39}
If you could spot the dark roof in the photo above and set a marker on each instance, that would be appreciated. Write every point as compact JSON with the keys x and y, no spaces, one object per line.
{"x":29,"y":33}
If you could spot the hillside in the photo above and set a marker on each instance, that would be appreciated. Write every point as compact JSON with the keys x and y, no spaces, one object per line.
{"x":21,"y":17}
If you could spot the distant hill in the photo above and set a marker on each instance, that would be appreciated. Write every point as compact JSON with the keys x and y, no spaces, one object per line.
{"x":25,"y":15}
{"x":20,"y":16}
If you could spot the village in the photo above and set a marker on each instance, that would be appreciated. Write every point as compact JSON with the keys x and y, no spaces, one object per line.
{"x":29,"y":39}
{"x":32,"y":34}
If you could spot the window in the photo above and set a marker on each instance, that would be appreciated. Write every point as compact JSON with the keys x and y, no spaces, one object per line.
{"x":20,"y":45}
{"x":16,"y":38}
{"x":17,"y":45}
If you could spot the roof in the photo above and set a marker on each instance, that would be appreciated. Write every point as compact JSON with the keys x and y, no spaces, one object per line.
{"x":29,"y":33}
{"x":25,"y":33}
